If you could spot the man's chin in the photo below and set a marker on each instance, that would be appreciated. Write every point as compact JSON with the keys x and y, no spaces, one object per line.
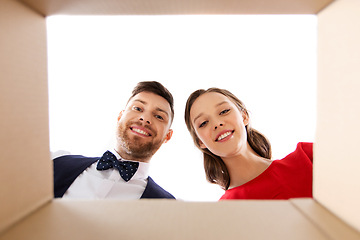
{"x":137,"y":146}
{"x":140,"y":151}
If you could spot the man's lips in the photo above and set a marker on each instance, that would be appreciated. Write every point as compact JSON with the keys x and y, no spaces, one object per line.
{"x":224,"y":135}
{"x":140,"y":130}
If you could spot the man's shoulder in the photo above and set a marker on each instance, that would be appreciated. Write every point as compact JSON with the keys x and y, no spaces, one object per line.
{"x":75,"y":157}
{"x":66,"y":160}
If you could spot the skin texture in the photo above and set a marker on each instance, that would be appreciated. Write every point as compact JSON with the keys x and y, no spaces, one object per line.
{"x":143,"y":126}
{"x":220,"y":126}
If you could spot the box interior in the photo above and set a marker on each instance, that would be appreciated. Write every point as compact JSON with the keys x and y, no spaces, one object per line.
{"x":26,"y":172}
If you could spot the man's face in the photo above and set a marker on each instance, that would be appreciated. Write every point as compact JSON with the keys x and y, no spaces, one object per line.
{"x":143,"y":126}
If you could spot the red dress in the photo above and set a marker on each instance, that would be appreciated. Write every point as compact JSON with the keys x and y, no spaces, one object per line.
{"x":290,"y":177}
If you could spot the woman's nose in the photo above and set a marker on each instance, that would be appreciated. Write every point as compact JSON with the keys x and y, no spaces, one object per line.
{"x":220,"y":125}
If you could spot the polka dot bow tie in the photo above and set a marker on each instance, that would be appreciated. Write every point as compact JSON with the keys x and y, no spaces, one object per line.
{"x":127,"y":169}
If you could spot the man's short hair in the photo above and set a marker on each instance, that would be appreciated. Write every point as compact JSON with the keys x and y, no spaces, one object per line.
{"x":156,"y":88}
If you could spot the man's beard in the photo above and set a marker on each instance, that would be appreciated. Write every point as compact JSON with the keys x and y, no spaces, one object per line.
{"x":135,"y":146}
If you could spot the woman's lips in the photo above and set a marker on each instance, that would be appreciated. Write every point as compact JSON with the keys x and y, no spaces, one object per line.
{"x":224,"y":135}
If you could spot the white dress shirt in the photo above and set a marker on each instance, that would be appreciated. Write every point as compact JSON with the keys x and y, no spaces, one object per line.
{"x":95,"y":184}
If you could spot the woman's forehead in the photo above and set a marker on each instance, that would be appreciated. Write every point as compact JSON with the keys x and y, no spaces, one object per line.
{"x":211,"y":99}
{"x":207,"y":102}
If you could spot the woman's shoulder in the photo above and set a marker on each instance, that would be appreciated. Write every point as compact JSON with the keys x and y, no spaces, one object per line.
{"x":305,"y":145}
{"x":304,"y":150}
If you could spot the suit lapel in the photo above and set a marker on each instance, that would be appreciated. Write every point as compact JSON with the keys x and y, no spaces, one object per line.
{"x":152,"y":190}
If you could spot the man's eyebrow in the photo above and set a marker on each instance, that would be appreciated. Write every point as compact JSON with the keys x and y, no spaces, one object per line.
{"x":219,"y":104}
{"x":161,"y":110}
{"x":143,"y":102}
{"x":157,"y":109}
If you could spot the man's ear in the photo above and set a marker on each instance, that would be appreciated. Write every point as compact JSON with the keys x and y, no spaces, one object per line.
{"x":168,"y":135}
{"x":120,"y":115}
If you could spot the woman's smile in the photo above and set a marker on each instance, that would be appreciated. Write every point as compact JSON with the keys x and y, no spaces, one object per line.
{"x":224,"y":135}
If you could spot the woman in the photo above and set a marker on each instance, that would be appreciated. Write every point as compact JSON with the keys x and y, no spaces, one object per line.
{"x":238,"y":157}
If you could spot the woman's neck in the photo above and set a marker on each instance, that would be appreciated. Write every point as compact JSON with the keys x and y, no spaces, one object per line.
{"x":245,"y":166}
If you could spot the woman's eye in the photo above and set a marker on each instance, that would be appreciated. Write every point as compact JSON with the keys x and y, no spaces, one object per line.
{"x":137,"y":109}
{"x":225,"y":111}
{"x":202,"y":124}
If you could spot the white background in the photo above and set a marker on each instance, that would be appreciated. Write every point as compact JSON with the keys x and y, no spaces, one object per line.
{"x":267,"y":61}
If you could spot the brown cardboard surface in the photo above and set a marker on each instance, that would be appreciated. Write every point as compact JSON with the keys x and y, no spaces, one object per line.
{"x":165,"y":219}
{"x":24,"y":138}
{"x":327,"y":222}
{"x":337,"y":156}
{"x":126,"y":7}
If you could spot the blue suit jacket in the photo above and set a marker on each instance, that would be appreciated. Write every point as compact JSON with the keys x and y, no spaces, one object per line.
{"x":68,"y":168}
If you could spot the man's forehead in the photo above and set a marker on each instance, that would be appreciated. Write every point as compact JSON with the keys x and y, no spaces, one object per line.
{"x":148,"y":98}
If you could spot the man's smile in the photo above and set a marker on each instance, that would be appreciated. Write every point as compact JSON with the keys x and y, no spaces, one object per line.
{"x":140,"y":131}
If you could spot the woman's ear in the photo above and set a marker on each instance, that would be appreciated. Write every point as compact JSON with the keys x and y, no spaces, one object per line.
{"x":245,"y":118}
{"x":201,"y":144}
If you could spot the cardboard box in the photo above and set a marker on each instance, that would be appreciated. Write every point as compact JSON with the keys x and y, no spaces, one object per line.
{"x":27,"y":208}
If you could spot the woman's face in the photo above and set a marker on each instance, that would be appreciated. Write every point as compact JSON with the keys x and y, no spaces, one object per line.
{"x":219,"y":124}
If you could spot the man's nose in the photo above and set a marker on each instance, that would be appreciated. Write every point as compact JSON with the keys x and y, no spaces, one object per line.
{"x":145,"y":118}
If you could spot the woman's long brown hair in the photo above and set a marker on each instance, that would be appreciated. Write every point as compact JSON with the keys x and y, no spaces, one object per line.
{"x":215,"y":169}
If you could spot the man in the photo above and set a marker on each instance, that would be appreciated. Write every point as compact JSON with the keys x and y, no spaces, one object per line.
{"x":122,"y":173}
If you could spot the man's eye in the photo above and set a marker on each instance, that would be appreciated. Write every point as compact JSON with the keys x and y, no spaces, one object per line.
{"x":202,"y":124}
{"x":159,"y":117}
{"x":225,"y":111}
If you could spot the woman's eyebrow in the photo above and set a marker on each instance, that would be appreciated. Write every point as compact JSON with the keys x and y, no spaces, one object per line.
{"x":217,"y":105}
{"x":221,"y":103}
{"x":197,"y":117}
